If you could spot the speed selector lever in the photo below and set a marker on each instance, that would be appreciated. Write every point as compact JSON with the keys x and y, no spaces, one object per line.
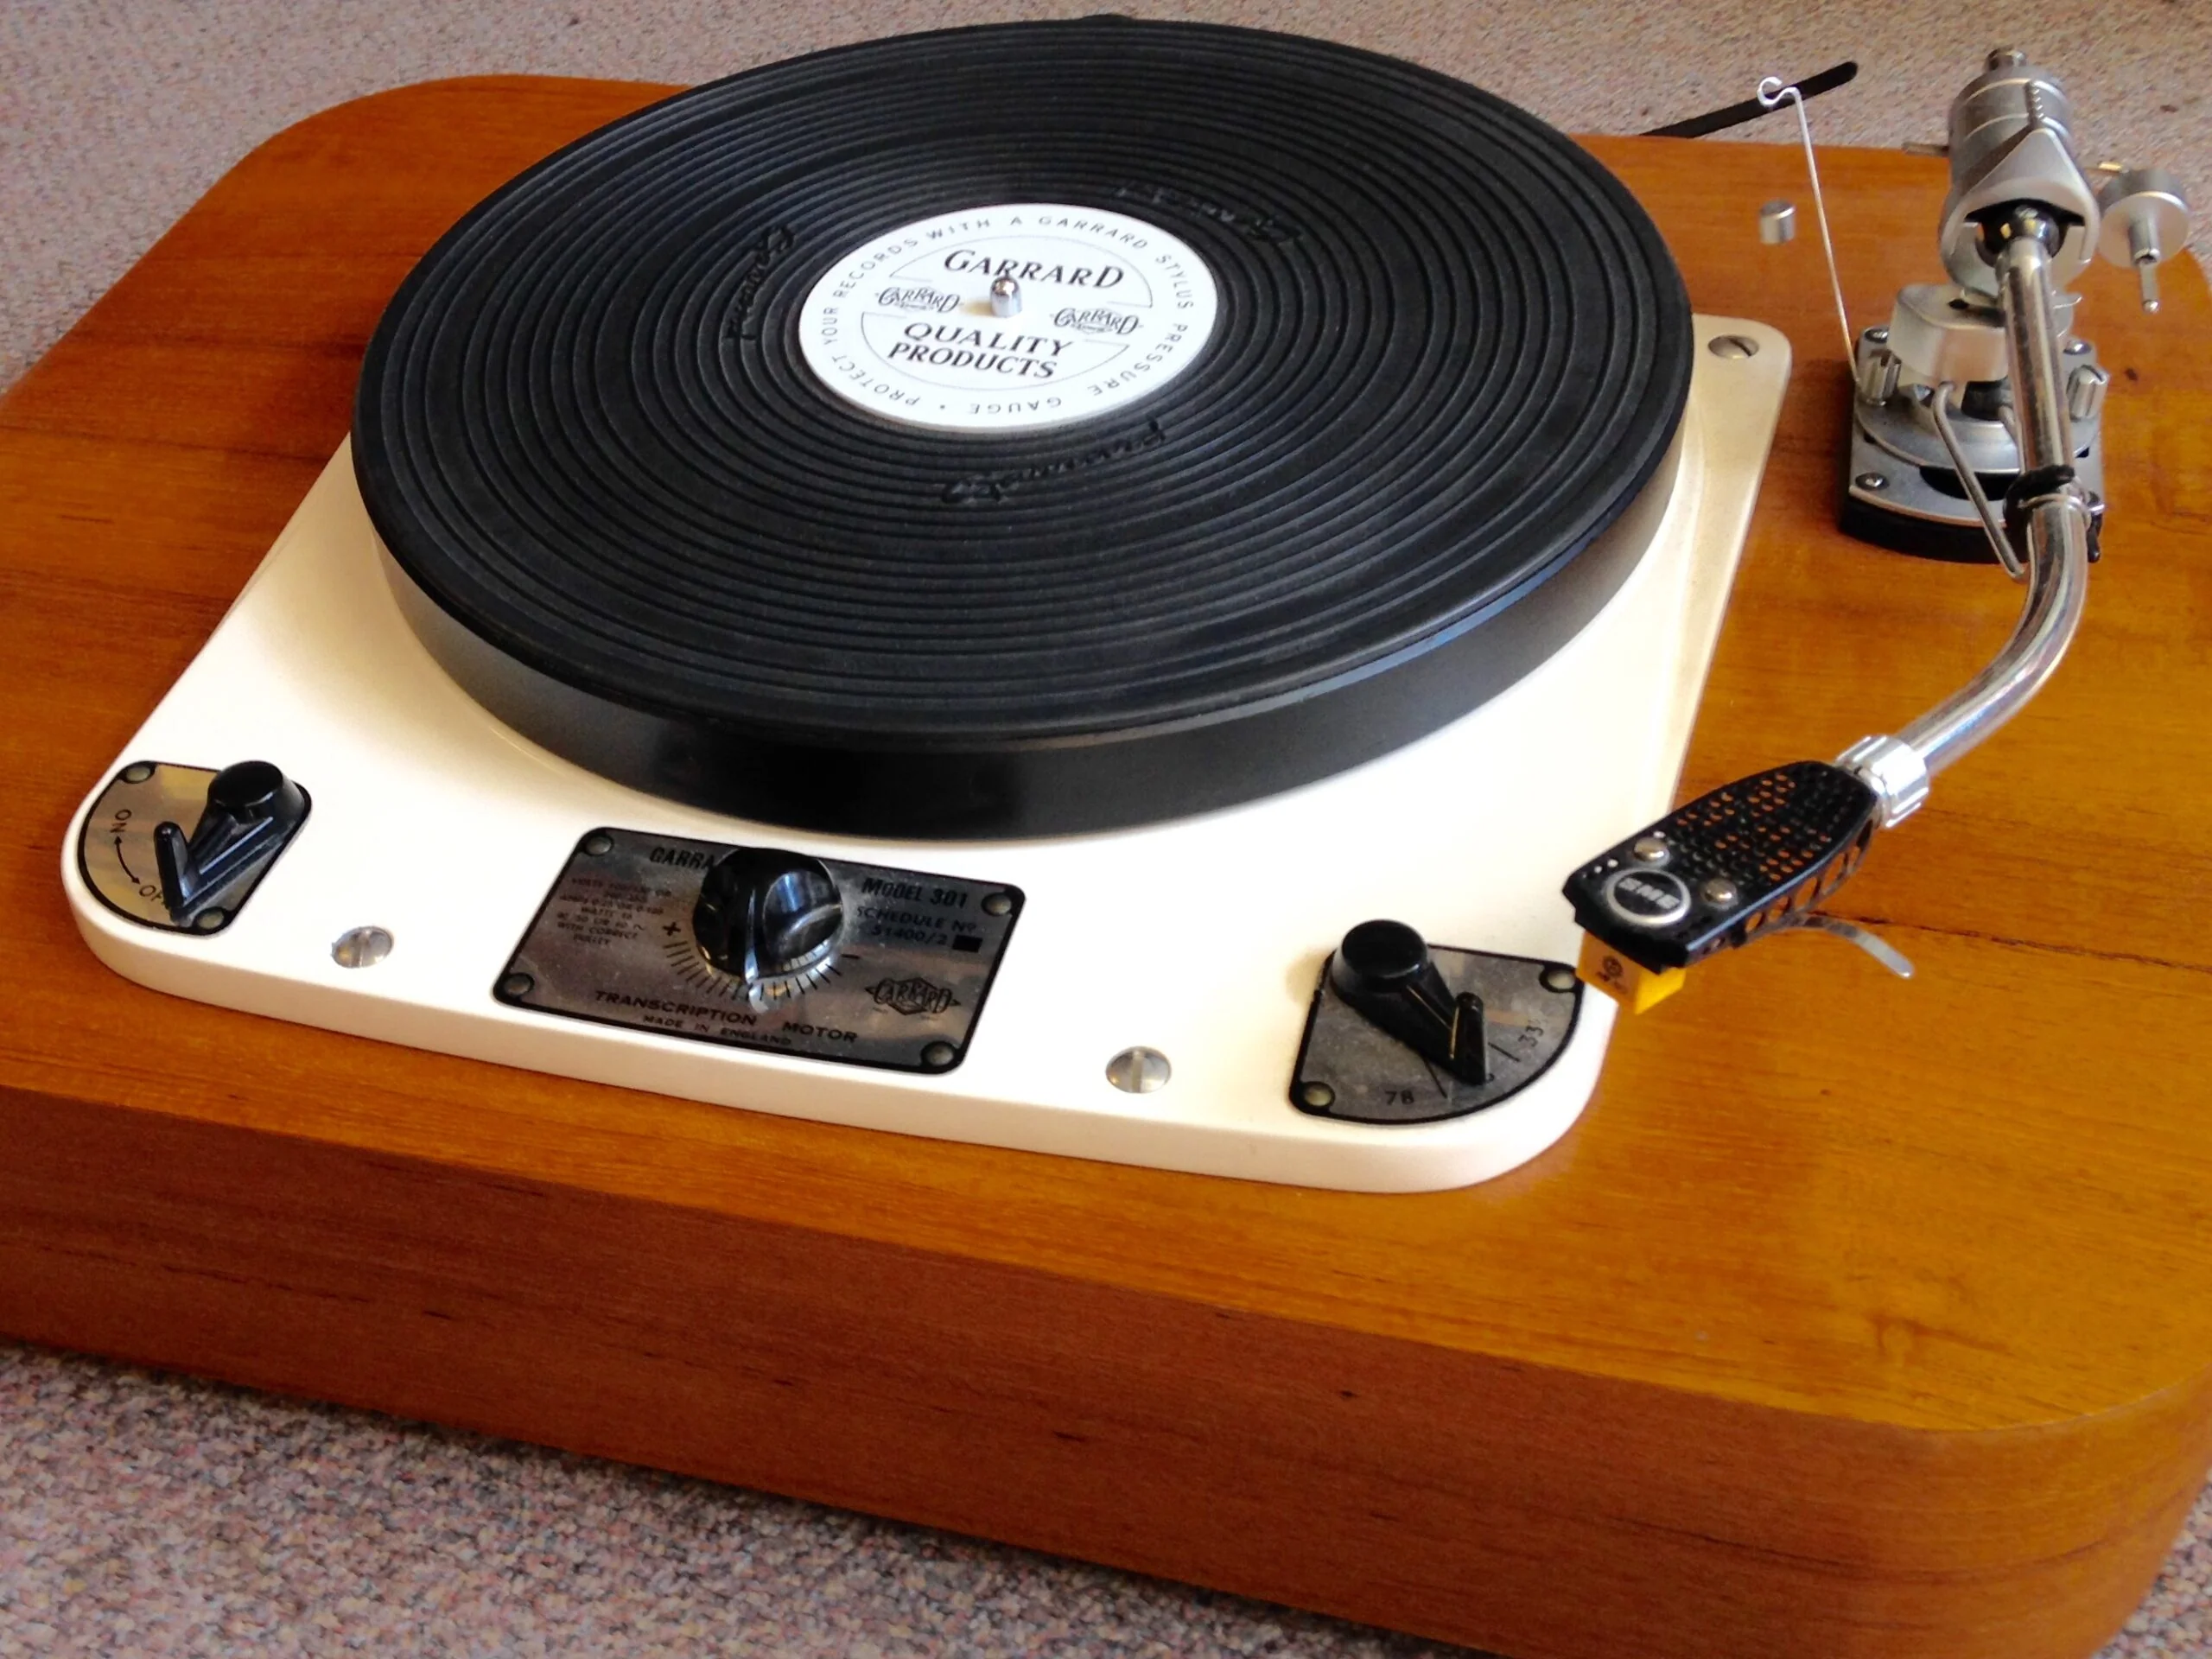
{"x":1384,"y":973}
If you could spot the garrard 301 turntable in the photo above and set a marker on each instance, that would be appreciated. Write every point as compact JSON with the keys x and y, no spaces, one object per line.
{"x":951,"y":586}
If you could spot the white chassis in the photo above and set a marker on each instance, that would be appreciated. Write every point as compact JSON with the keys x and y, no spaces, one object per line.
{"x":1202,"y":938}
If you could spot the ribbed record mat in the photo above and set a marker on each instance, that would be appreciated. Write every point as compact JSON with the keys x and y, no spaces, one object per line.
{"x":1405,"y":460}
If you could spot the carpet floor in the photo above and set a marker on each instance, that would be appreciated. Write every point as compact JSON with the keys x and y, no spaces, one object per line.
{"x":150,"y":1515}
{"x":154,"y":1514}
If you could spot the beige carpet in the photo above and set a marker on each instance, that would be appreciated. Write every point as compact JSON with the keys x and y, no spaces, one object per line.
{"x":144,"y":1515}
{"x":115,"y":114}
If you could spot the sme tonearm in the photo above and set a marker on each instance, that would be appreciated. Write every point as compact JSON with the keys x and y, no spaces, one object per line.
{"x":1976,"y":425}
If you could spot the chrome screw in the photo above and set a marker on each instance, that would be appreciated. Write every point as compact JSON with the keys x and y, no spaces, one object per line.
{"x":1138,"y":1070}
{"x":361,"y":947}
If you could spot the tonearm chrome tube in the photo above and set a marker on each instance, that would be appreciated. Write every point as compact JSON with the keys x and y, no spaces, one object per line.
{"x":2021,"y":221}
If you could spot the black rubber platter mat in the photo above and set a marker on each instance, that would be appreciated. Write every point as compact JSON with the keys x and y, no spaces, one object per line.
{"x":1450,"y":352}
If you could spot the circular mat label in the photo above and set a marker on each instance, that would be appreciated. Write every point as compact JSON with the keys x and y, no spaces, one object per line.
{"x":1092,"y":311}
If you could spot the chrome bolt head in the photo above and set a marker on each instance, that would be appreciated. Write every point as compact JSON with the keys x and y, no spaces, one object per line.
{"x":1139,"y":1070}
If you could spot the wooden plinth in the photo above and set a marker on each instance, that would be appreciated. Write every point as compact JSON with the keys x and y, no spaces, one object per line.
{"x":1856,"y":1317}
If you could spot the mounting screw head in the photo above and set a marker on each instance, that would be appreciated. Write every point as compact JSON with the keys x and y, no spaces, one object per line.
{"x":360,"y":947}
{"x":1138,"y":1070}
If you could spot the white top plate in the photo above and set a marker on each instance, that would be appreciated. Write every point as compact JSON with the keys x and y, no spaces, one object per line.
{"x":316,"y":670}
{"x":1111,"y":309}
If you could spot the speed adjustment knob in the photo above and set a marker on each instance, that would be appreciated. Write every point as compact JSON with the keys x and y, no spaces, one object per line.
{"x":770,"y":919}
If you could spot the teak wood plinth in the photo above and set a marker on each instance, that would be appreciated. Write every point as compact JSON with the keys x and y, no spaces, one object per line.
{"x":1856,"y":1317}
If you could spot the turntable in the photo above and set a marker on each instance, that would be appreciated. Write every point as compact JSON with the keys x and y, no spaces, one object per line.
{"x":943,"y":616}
{"x":1855,"y":1315}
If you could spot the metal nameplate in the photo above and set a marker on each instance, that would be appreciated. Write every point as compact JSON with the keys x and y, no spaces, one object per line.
{"x":1353,"y":1070}
{"x":915,"y":958}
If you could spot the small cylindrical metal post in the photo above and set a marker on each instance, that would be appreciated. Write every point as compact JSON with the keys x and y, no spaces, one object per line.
{"x":2085,"y":392}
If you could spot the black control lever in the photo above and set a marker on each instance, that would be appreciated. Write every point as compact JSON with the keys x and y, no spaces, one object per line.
{"x":1384,"y":972}
{"x":1748,"y":857}
{"x":250,"y":813}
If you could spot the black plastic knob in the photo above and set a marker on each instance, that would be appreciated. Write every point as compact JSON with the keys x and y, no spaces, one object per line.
{"x":1379,"y":957}
{"x":250,"y":791}
{"x":1384,"y":973}
{"x":770,"y":918}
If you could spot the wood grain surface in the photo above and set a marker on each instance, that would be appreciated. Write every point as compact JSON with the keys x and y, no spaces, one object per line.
{"x":1855,"y":1318}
